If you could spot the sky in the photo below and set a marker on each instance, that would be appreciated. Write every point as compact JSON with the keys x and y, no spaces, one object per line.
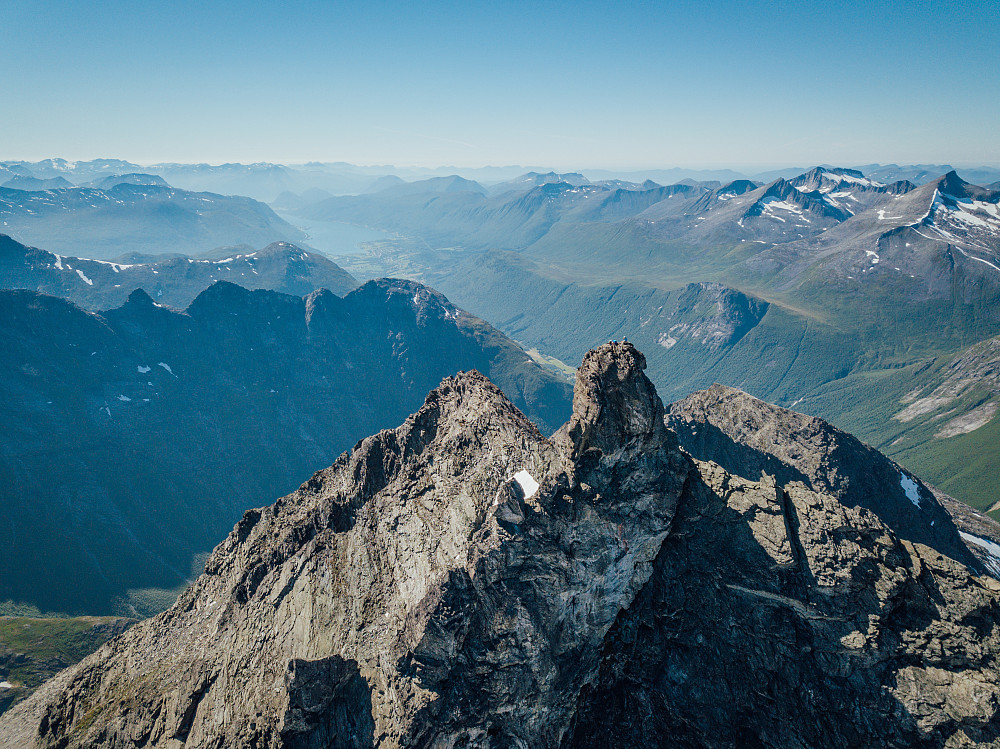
{"x":567,"y":85}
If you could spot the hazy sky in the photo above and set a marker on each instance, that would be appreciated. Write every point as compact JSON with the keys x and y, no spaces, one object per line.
{"x":579,"y":84}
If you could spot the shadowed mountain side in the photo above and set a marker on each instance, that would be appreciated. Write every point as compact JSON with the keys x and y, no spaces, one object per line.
{"x":779,"y":617}
{"x":147,"y":431}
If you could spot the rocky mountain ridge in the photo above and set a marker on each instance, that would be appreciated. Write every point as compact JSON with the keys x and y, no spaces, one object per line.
{"x":463,"y":581}
{"x":865,"y":285}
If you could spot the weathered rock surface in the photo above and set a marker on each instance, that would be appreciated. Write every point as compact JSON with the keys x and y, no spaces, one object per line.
{"x":461,"y":581}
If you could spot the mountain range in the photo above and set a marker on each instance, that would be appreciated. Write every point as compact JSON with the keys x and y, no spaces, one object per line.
{"x":462,"y":580}
{"x":136,"y":436}
{"x":129,"y":215}
{"x":175,"y":281}
{"x":720,"y":572}
{"x":267,"y":181}
{"x":866,"y":290}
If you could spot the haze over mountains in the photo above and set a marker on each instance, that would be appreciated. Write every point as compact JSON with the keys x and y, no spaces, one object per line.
{"x":852,"y":287}
{"x":199,"y":356}
{"x":266,"y":181}
{"x":171,"y":280}
{"x":142,"y":214}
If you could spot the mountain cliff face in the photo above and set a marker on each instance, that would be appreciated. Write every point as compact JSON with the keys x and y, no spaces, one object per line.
{"x":135,"y":438}
{"x":463,"y":581}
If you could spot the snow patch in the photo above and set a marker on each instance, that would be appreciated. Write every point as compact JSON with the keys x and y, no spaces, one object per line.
{"x":527,"y":483}
{"x":910,"y":487}
{"x":166,"y":367}
{"x":124,"y":398}
{"x":81,"y":275}
{"x":6,"y":685}
{"x":977,"y":259}
{"x":850,"y":179}
{"x":142,"y":369}
{"x":116,"y":267}
{"x":991,"y":548}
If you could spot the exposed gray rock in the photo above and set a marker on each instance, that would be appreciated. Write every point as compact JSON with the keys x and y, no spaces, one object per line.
{"x":461,"y":581}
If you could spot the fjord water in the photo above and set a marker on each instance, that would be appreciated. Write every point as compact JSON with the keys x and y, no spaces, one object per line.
{"x":334,"y":237}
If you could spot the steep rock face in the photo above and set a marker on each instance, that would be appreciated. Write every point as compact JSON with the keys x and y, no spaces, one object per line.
{"x":462,"y":581}
{"x":779,"y":617}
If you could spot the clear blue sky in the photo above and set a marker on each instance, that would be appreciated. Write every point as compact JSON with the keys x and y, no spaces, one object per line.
{"x":581,"y":84}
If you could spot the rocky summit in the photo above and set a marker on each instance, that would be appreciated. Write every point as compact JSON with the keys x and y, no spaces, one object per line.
{"x":463,"y":581}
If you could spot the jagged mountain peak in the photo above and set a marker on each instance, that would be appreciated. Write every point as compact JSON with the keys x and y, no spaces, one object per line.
{"x":952,"y":184}
{"x":281,"y":247}
{"x":423,"y":298}
{"x":839,"y":171}
{"x":737,"y":187}
{"x":782,"y":200}
{"x":224,"y":299}
{"x":842,"y":181}
{"x":615,"y":405}
{"x":139,"y":298}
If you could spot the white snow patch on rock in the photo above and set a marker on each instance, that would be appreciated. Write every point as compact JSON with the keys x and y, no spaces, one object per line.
{"x":166,"y":367}
{"x":80,"y":274}
{"x":142,"y":369}
{"x":991,"y":548}
{"x":910,"y":487}
{"x":883,"y":217}
{"x":527,"y":482}
{"x":667,"y":341}
{"x":124,"y":398}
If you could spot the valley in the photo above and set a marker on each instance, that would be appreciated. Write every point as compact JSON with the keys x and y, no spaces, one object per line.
{"x":864,"y":287}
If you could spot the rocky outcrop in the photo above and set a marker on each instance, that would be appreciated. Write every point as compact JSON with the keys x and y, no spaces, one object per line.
{"x":464,"y":581}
